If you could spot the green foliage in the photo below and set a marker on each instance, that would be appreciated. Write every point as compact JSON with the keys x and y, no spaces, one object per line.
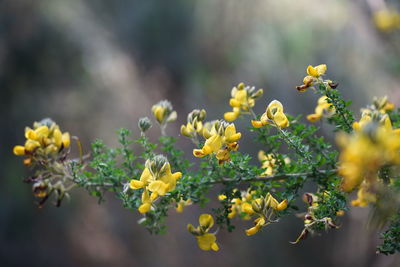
{"x":343,"y":117}
{"x":391,"y":237}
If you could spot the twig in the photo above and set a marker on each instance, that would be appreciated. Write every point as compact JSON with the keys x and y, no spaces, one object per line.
{"x":273,"y":177}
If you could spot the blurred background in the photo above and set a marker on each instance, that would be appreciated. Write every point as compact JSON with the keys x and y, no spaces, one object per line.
{"x":97,"y":66}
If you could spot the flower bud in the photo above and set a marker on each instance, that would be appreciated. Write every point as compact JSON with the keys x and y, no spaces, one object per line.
{"x":57,"y":135}
{"x":202,"y":115}
{"x":156,"y":164}
{"x":196,"y":114}
{"x":144,"y":124}
{"x":66,"y":139}
{"x":19,"y":150}
{"x":258,"y":205}
{"x":185,"y":131}
{"x":257,"y":94}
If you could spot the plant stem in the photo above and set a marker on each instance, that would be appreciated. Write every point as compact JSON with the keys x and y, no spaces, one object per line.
{"x":273,"y":177}
{"x":291,"y":144}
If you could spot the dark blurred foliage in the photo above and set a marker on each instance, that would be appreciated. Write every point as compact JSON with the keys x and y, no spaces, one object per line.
{"x":95,"y":66}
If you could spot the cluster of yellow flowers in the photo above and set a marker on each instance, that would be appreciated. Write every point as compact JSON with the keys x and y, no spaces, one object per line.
{"x":242,"y":205}
{"x":387,"y":20}
{"x":43,"y":140}
{"x":205,"y":240}
{"x":47,"y":145}
{"x":264,"y":209}
{"x":375,"y":112}
{"x":243,"y":99}
{"x":373,"y":145}
{"x":156,"y":179}
{"x":269,"y":162}
{"x":221,"y":139}
{"x":194,"y":123}
{"x":273,"y":115}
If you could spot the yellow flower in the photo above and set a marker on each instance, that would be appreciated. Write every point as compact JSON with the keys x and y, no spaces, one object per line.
{"x":212,"y":145}
{"x":205,"y":240}
{"x":221,"y":197}
{"x":146,"y":202}
{"x":259,"y":223}
{"x":158,"y":187}
{"x":221,"y":140}
{"x":183,"y":203}
{"x":247,"y":208}
{"x":323,"y":107}
{"x":163,"y":112}
{"x":317,"y":70}
{"x":273,"y":115}
{"x":230,"y":134}
{"x":206,"y":220}
{"x":386,"y":20}
{"x":243,"y":98}
{"x":365,"y":119}
{"x":274,"y":204}
{"x":233,"y":115}
{"x":364,"y":196}
{"x":156,"y":179}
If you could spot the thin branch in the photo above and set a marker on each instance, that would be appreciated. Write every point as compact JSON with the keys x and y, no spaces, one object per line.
{"x":106,"y":185}
{"x":274,"y":177}
{"x":292,"y":145}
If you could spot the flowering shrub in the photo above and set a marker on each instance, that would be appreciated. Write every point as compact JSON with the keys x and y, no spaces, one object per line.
{"x":160,"y":178}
